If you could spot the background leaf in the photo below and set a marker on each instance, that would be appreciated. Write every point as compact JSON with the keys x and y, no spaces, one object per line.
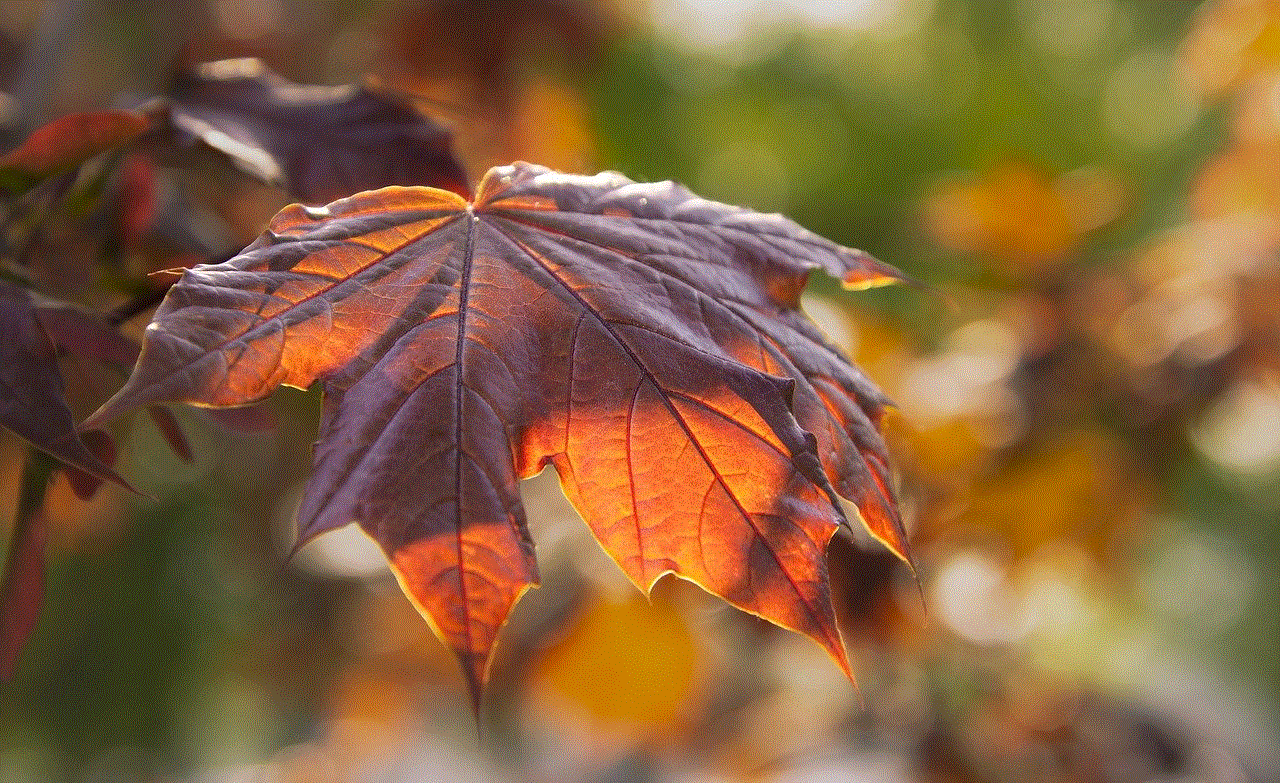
{"x":320,"y":143}
{"x":66,"y":142}
{"x":32,"y":397}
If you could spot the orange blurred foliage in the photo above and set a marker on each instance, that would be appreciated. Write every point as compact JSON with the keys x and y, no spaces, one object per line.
{"x":633,"y":667}
{"x":1019,"y":215}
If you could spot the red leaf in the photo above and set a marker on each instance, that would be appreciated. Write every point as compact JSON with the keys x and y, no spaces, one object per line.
{"x":137,"y":198}
{"x":67,"y":142}
{"x":22,"y":591}
{"x":84,"y":334}
{"x":645,"y":341}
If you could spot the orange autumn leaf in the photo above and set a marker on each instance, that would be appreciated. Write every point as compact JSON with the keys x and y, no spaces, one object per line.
{"x":646,"y":342}
{"x":1240,"y":181}
{"x":551,"y":124}
{"x":1090,"y":489}
{"x":1019,"y":215}
{"x":655,"y":688}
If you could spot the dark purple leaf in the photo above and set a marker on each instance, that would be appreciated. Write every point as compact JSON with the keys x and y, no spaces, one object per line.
{"x":320,"y":143}
{"x":32,"y":397}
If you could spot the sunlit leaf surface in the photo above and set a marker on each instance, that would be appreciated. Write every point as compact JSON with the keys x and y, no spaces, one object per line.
{"x":644,"y":341}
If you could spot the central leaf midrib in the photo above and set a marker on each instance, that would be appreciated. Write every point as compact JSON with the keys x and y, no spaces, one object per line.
{"x":464,"y":292}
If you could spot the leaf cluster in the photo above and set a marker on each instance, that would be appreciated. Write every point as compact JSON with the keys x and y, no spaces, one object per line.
{"x":645,"y":342}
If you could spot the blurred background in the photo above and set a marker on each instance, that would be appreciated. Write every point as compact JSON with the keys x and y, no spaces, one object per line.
{"x":1088,"y":422}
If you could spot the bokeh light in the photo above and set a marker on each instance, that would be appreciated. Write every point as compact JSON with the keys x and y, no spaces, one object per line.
{"x":1086,"y":430}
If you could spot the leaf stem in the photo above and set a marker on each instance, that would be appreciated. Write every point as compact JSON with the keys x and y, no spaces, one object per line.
{"x":22,"y":585}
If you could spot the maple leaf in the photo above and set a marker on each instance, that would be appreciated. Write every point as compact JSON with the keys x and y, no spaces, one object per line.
{"x":318,"y":142}
{"x":646,"y":342}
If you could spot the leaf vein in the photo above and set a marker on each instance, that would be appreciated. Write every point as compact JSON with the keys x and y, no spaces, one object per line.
{"x":813,"y":613}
